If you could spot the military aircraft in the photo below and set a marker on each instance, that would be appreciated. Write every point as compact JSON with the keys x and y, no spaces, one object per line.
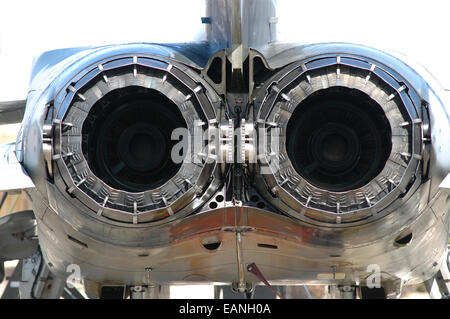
{"x":237,"y":160}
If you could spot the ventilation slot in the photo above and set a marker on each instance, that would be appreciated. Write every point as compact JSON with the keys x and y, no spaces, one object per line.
{"x":79,"y":242}
{"x":267,"y":246}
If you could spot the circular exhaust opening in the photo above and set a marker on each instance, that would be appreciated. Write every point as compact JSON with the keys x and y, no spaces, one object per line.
{"x":127,"y":138}
{"x":338,"y":139}
{"x":115,"y":126}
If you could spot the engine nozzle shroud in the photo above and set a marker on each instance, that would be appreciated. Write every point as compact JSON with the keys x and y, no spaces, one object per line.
{"x":350,"y":140}
{"x":115,"y":127}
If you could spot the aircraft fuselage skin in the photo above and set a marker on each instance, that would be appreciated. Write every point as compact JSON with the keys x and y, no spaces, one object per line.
{"x":199,"y":226}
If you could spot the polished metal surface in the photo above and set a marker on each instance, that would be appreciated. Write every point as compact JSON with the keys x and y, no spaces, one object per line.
{"x":254,"y":22}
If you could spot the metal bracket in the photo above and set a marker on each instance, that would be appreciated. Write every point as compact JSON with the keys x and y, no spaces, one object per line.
{"x":47,"y":140}
{"x":242,"y":285}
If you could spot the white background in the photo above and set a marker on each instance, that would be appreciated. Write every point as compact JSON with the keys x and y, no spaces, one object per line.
{"x":27,"y":28}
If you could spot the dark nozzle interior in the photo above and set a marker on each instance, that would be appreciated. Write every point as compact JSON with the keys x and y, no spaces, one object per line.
{"x":127,"y":138}
{"x":338,"y":139}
